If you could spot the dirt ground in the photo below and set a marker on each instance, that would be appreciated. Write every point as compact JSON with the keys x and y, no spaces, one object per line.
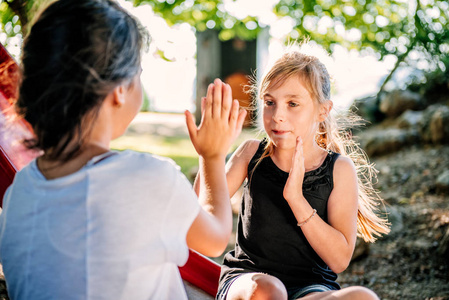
{"x":408,"y":263}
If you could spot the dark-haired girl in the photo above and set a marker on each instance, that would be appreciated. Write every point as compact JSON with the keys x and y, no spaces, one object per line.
{"x":82,"y":221}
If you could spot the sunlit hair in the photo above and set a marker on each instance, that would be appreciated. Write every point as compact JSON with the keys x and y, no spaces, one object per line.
{"x":75,"y":54}
{"x":332,"y":134}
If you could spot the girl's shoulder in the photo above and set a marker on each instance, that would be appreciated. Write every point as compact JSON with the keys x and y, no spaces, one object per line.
{"x":249,"y":148}
{"x":344,"y":167}
{"x":244,"y":153}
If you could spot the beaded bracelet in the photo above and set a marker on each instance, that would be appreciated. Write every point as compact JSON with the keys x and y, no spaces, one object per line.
{"x":308,"y":219}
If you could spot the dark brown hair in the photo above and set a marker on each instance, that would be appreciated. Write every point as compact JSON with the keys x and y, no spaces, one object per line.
{"x":76,"y":53}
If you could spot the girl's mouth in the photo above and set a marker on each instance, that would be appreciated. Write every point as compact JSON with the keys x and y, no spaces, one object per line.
{"x":280,"y":132}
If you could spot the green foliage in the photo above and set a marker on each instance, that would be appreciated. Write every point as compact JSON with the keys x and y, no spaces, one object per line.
{"x":385,"y":27}
{"x":203,"y":15}
{"x":16,"y":16}
{"x":10,"y":24}
{"x":146,"y":103}
{"x":434,"y":86}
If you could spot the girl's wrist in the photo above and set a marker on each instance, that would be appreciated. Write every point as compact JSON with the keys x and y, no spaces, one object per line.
{"x":213,"y":159}
{"x":300,"y":224}
{"x":297,"y":199}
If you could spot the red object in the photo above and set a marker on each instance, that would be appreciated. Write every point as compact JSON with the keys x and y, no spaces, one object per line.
{"x":13,"y":155}
{"x":7,"y":172}
{"x":199,"y":270}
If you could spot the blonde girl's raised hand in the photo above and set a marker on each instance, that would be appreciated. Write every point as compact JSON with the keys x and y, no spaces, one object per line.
{"x":293,"y":187}
{"x":340,"y":230}
{"x":221,"y":122}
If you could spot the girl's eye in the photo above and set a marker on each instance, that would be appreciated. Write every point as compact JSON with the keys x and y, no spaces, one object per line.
{"x":269,"y":103}
{"x":293,"y":104}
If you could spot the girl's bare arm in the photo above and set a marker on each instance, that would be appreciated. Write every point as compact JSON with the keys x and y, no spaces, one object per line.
{"x":236,"y":167}
{"x":333,"y":242}
{"x":221,"y":123}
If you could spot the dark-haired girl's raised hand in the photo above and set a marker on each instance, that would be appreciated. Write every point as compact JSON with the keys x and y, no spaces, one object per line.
{"x":221,"y":122}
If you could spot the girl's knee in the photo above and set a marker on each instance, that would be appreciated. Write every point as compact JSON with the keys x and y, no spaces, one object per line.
{"x":360,"y":292}
{"x":266,"y":287}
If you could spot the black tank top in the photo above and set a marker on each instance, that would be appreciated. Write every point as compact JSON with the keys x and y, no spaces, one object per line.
{"x":268,"y":238}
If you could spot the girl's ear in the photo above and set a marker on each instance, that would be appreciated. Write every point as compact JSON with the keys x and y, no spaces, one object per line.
{"x":119,"y":95}
{"x":325,"y":109}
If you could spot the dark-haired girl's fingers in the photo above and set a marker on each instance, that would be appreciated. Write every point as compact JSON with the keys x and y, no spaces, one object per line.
{"x":191,"y":126}
{"x":227,"y":102}
{"x":217,"y":98}
{"x":208,"y":102}
{"x":234,"y":113}
{"x":236,"y":118}
{"x":240,"y":120}
{"x":203,"y":105}
{"x":221,"y":122}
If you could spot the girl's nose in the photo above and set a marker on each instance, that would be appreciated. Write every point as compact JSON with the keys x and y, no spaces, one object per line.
{"x":278,"y":115}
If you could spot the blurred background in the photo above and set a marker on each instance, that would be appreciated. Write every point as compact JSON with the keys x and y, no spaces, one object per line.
{"x":389,"y":62}
{"x":372,"y":45}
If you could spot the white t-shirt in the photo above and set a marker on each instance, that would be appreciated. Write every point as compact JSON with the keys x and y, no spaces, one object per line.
{"x":116,"y":229}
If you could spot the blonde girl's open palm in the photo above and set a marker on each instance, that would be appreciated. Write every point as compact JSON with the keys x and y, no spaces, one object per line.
{"x":221,"y":122}
{"x":293,"y":186}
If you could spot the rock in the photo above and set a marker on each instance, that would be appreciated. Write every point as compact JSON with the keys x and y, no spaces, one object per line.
{"x":439,"y":126}
{"x":395,"y":103}
{"x":378,"y":142}
{"x":434,"y":125}
{"x":395,"y":219}
{"x":410,"y":119}
{"x":361,"y":249}
{"x":368,"y":109}
{"x":442,"y":182}
{"x":443,"y":248}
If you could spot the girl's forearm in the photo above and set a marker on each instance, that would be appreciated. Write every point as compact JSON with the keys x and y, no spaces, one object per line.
{"x":328,"y":242}
{"x":197,"y":181}
{"x":213,"y":194}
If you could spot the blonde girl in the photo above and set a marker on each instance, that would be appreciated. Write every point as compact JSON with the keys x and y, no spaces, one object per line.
{"x":305,"y":195}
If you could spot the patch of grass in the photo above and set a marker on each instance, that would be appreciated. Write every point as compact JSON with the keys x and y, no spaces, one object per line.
{"x":179,"y":148}
{"x":188,"y":164}
{"x":164,"y":146}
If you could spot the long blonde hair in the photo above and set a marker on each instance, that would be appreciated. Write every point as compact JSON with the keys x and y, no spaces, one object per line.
{"x":332,"y":135}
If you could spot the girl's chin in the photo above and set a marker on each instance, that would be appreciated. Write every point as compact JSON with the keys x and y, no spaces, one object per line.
{"x":282,"y":142}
